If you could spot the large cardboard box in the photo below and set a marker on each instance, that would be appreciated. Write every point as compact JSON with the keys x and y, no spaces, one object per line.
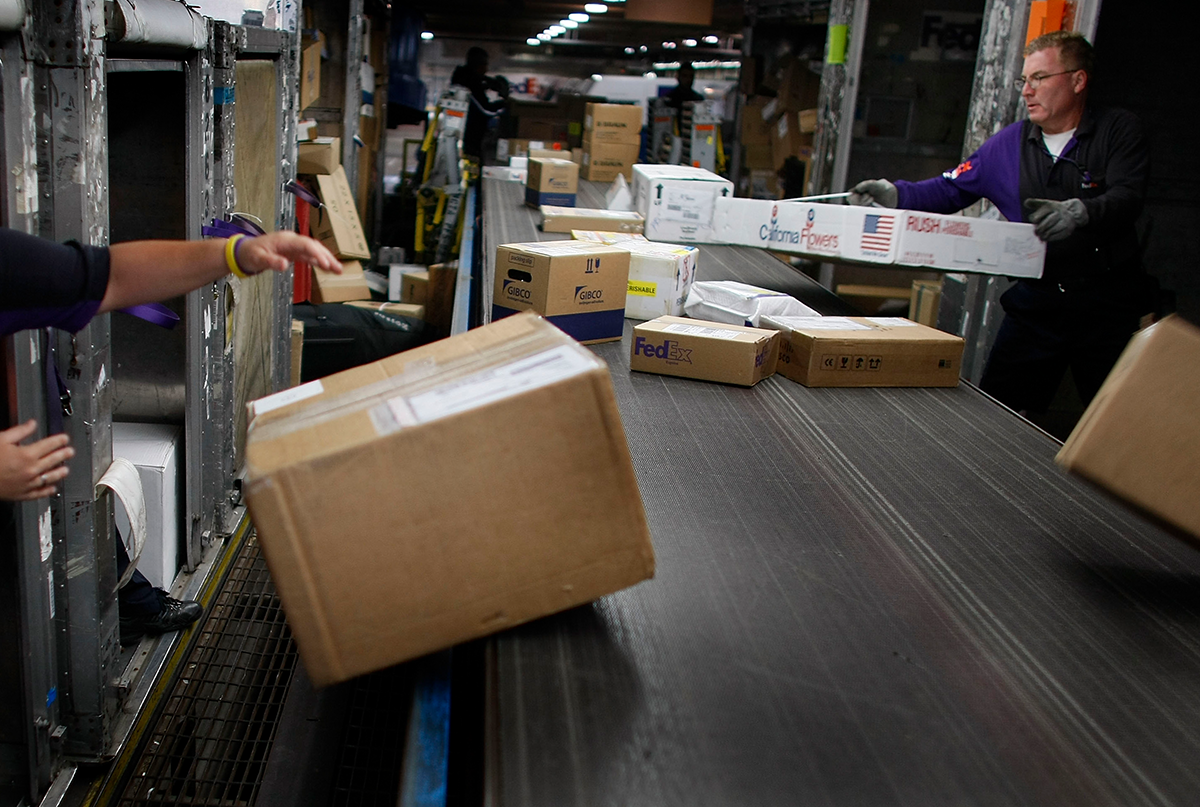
{"x":551,"y":182}
{"x":756,"y":128}
{"x":414,"y":287}
{"x":660,"y":277}
{"x":1140,"y":437}
{"x":791,"y":135}
{"x":391,"y":309}
{"x":320,"y":156}
{"x":969,"y":244}
{"x":420,"y":509}
{"x":708,"y":351}
{"x":351,"y":284}
{"x":758,"y":157}
{"x":865,"y":352}
{"x":155,"y":449}
{"x":578,"y":285}
{"x":336,"y":223}
{"x":924,"y":301}
{"x":677,"y":201}
{"x":613,"y":123}
{"x":566,"y":219}
{"x":603,"y":162}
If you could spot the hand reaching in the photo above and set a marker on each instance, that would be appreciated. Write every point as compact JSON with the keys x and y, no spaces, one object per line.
{"x":31,"y":472}
{"x":879,"y":191}
{"x":1054,"y":221}
{"x":278,"y":249}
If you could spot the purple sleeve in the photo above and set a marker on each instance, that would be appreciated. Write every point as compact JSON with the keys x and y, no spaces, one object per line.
{"x":68,"y":318}
{"x":44,"y":284}
{"x":993,"y":172}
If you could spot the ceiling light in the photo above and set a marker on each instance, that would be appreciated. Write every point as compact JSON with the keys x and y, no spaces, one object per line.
{"x":545,"y":37}
{"x":651,"y":74}
{"x":630,"y":51}
{"x":689,"y":43}
{"x":597,"y":77}
{"x":711,"y":39}
{"x":533,"y":40}
{"x":568,"y":23}
{"x":643,"y":49}
{"x":669,"y":45}
{"x":427,"y":35}
{"x":578,"y":16}
{"x":555,"y":30}
{"x":595,"y":8}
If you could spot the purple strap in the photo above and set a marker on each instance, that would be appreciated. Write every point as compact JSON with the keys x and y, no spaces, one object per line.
{"x":219,"y":228}
{"x":296,"y":189}
{"x":154,"y":313}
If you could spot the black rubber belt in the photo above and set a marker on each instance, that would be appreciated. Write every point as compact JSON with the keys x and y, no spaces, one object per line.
{"x":864,"y":597}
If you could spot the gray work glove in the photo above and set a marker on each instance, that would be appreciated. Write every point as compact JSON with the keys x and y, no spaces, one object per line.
{"x":874,"y":190}
{"x":1054,"y":221}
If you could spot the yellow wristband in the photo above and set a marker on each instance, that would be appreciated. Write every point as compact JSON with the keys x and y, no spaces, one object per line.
{"x":231,"y":257}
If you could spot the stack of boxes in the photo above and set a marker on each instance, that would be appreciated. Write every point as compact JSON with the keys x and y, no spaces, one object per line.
{"x":612,"y":138}
{"x":776,"y":128}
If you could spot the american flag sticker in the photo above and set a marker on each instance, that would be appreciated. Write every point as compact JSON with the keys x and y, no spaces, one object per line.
{"x":877,"y":232}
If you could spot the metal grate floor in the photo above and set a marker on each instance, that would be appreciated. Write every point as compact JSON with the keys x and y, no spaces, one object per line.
{"x":368,"y":773}
{"x":213,"y":738}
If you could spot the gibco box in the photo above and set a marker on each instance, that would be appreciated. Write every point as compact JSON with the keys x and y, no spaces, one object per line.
{"x":412,"y":512}
{"x":660,"y":278}
{"x":604,"y":162}
{"x":708,"y":351}
{"x":566,"y":219}
{"x":677,"y":201}
{"x":613,"y":123}
{"x":865,"y":352}
{"x":579,"y":286}
{"x":965,"y":244}
{"x":551,"y":182}
{"x":1140,"y":438}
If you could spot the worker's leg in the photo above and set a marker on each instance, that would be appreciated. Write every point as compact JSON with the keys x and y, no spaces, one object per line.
{"x":1106,"y":317}
{"x":1029,"y":357}
{"x":144,"y":609}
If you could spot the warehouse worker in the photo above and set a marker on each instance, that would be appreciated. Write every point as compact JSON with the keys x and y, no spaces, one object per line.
{"x":473,"y":75}
{"x":682,"y":92}
{"x":1078,"y":173}
{"x":44,"y":284}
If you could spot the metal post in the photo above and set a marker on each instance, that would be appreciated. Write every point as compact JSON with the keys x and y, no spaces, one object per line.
{"x":353,"y":100}
{"x":288,"y":71}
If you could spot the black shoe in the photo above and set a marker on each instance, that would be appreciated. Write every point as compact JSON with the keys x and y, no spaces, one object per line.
{"x":174,"y":615}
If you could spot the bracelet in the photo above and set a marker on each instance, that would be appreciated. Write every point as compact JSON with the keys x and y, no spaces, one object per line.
{"x":231,"y":255}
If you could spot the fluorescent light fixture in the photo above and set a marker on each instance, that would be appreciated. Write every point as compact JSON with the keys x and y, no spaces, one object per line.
{"x":597,"y":77}
{"x":689,"y":43}
{"x":578,"y":16}
{"x":427,"y":35}
{"x":651,"y":74}
{"x":533,"y":40}
{"x":568,"y":23}
{"x":555,"y":30}
{"x":711,"y":39}
{"x":545,"y":37}
{"x":669,"y":45}
{"x":630,"y":51}
{"x":595,"y":8}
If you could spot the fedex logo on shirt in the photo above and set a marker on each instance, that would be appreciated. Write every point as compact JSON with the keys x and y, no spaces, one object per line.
{"x":959,"y":171}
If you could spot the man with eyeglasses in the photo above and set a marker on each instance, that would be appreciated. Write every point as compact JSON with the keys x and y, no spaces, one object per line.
{"x":1078,"y":173}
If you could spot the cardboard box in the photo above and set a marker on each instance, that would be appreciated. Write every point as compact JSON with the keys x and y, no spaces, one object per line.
{"x":756,"y":129}
{"x":413,"y":512}
{"x":506,"y":173}
{"x":660,"y":278}
{"x":764,"y":184}
{"x":351,"y":284}
{"x":550,"y":154}
{"x":758,"y":157}
{"x":865,"y":352}
{"x":577,"y":285}
{"x":613,"y":123}
{"x":566,"y":219}
{"x":310,"y":70}
{"x":969,"y":244}
{"x":156,"y":451}
{"x":708,"y":351}
{"x":677,"y":201}
{"x":605,"y":237}
{"x":603,"y":162}
{"x":791,"y":135}
{"x":507,"y":148}
{"x":414,"y":287}
{"x":924,"y":301}
{"x":391,"y":309}
{"x":336,"y":223}
{"x":551,"y":182}
{"x":1139,"y":439}
{"x":297,"y":340}
{"x":320,"y":156}
{"x":802,"y":228}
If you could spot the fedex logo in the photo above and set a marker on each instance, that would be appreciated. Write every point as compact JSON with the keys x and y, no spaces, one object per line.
{"x":668,"y":350}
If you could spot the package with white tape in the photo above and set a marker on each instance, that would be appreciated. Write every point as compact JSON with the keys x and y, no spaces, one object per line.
{"x":740,"y":303}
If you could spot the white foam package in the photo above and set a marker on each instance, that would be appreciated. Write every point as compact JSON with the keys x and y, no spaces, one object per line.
{"x":740,"y":303}
{"x":606,"y":237}
{"x":678,"y":201}
{"x":660,"y":278}
{"x":881,"y":236}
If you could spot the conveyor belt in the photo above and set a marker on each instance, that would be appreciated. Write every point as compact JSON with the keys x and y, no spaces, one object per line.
{"x":863,"y":597}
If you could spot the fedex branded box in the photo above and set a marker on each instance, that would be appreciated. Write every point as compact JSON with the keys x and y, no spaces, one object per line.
{"x":708,"y":351}
{"x":579,"y":286}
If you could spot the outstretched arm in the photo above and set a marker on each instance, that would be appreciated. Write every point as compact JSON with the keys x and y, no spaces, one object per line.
{"x":147,"y":271}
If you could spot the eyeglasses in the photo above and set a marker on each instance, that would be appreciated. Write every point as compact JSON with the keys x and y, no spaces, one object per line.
{"x":1036,"y":79}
